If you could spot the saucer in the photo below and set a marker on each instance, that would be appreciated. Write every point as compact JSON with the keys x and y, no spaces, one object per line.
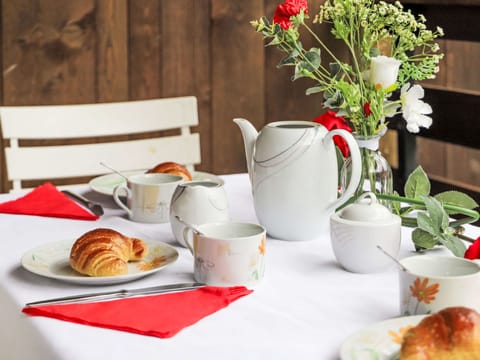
{"x":106,"y":183}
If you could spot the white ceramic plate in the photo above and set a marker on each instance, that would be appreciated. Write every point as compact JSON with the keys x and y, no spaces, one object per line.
{"x":106,"y":183}
{"x":52,"y":260}
{"x":379,"y":341}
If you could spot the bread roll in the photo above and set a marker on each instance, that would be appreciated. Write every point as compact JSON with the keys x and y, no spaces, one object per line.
{"x":172,"y":168}
{"x":450,"y":334}
{"x":105,"y":252}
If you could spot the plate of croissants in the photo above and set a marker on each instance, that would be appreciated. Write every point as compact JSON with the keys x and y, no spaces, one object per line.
{"x":451,"y":333}
{"x":105,"y":184}
{"x":99,"y":257}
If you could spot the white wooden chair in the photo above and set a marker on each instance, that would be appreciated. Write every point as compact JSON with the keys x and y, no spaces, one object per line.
{"x":80,"y":122}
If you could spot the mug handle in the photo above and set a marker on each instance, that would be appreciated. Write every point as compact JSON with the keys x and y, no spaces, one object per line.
{"x":187,"y":230}
{"x":356,"y":166}
{"x":116,"y":197}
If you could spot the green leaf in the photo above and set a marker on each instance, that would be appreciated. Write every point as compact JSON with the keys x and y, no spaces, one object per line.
{"x":314,"y":60}
{"x":427,"y":224}
{"x":417,"y":184}
{"x":335,"y":70}
{"x":454,"y":244}
{"x":374,"y":52}
{"x":314,"y":90}
{"x":436,"y":212}
{"x":423,"y":239}
{"x":456,"y":198}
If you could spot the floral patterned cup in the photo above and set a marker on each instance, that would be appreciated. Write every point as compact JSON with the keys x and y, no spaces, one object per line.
{"x":432,"y":283}
{"x":227,"y":253}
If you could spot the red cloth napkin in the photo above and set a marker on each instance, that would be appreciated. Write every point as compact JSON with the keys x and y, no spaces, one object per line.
{"x":46,"y":200}
{"x":155,"y":315}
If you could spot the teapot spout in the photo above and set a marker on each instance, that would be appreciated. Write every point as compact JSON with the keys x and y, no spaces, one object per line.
{"x":249,"y":134}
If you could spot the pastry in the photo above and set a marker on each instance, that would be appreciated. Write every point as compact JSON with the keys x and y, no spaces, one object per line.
{"x":105,"y":252}
{"x":450,"y":334}
{"x":172,"y":168}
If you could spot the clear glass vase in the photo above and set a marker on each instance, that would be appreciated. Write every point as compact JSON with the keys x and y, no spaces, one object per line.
{"x":376,"y":171}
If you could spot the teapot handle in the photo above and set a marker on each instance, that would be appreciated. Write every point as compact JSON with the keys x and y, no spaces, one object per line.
{"x":356,"y":166}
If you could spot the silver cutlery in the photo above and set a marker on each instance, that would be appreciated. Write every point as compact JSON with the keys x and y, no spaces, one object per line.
{"x":95,"y":208}
{"x":118,"y":294}
{"x":114,"y":170}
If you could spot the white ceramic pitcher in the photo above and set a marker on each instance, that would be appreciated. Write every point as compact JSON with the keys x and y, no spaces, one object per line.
{"x":197,"y":202}
{"x":294,"y":174}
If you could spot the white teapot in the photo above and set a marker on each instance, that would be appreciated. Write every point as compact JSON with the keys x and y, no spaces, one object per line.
{"x":197,"y":202}
{"x":294,"y":174}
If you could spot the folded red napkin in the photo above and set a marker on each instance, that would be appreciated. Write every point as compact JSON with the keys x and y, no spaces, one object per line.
{"x":155,"y":315}
{"x":46,"y":200}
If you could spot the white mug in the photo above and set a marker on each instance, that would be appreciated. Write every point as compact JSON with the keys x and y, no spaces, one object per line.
{"x":148,"y":196}
{"x":197,"y":202}
{"x":227,"y":253}
{"x":432,"y":283}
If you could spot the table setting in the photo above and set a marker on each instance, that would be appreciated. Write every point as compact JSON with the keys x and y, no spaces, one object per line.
{"x":310,"y":254}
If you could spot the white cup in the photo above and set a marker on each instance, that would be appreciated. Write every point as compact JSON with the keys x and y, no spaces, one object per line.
{"x":432,"y":283}
{"x":148,"y":196}
{"x":227,"y":253}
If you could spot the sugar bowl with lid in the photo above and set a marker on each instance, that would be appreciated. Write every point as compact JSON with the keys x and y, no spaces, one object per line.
{"x":357,"y":230}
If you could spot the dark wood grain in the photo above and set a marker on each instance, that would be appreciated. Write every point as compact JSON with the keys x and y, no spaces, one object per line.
{"x":202,"y":77}
{"x":111,"y":66}
{"x":144,"y":39}
{"x":47,"y":52}
{"x":238,"y":79}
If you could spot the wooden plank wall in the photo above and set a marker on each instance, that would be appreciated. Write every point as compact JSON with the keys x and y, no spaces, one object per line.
{"x":83,"y":51}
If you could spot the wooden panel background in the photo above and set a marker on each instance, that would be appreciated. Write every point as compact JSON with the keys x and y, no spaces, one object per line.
{"x":82,"y":51}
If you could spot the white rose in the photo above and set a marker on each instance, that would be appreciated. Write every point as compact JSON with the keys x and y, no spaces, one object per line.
{"x":384,"y":71}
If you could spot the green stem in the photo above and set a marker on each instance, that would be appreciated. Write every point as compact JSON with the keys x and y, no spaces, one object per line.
{"x":472,"y":214}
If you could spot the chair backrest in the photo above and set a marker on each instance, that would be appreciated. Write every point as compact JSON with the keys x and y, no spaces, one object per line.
{"x":77,"y":156}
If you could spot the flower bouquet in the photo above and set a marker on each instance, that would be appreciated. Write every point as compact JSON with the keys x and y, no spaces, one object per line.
{"x":388,"y":49}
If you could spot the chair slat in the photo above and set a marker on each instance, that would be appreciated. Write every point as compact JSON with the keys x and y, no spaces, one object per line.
{"x":89,"y":120}
{"x":51,"y":162}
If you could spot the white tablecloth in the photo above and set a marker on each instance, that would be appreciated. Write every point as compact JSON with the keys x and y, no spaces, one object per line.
{"x":305,"y":308}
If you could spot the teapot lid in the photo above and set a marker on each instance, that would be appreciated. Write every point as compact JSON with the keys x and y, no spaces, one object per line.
{"x":366,"y":208}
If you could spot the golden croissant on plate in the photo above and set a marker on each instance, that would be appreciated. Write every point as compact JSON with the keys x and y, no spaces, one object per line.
{"x":105,"y":252}
{"x":450,"y":334}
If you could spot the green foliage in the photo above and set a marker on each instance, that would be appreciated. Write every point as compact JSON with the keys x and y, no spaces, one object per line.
{"x":361,"y":25}
{"x":431,"y":221}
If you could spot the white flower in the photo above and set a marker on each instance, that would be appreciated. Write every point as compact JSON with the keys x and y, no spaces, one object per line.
{"x":384,"y":71}
{"x":414,"y":109}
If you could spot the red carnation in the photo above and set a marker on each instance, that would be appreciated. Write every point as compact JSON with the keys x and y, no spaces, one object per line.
{"x":286,"y":10}
{"x":473,"y":251}
{"x":331,"y":121}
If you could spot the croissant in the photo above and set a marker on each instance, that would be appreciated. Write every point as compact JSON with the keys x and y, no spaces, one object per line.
{"x":450,"y":334}
{"x":172,"y":168}
{"x":105,"y":252}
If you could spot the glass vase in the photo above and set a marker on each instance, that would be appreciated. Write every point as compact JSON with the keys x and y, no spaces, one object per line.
{"x":376,"y":171}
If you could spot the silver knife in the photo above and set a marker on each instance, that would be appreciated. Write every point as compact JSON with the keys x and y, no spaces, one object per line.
{"x":93,"y":207}
{"x":116,"y":294}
